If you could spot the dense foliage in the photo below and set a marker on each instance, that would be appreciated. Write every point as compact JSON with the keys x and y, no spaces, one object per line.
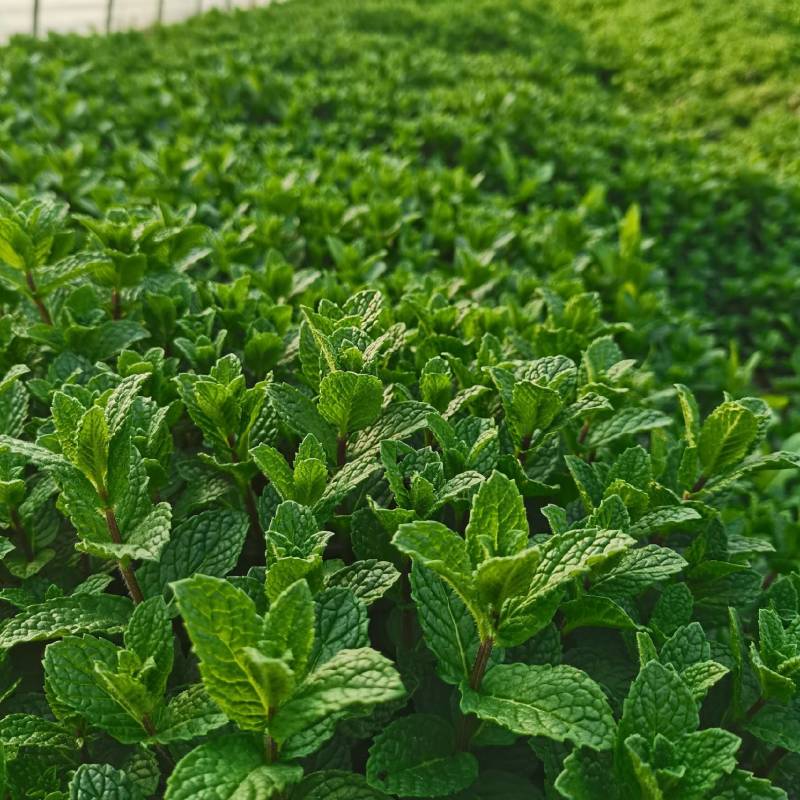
{"x":394,"y":403}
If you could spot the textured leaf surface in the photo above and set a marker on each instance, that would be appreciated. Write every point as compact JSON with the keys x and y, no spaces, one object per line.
{"x":102,"y":782}
{"x":229,"y":768}
{"x":208,"y":543}
{"x":368,"y":580}
{"x":61,"y":616}
{"x":349,"y":683}
{"x":336,"y":785}
{"x":416,"y":757}
{"x":658,"y":702}
{"x":638,"y":569}
{"x":560,"y":703}
{"x":449,"y":629}
{"x":221,"y":620}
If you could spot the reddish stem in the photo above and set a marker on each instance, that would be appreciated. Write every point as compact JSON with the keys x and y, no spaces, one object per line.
{"x":772,"y":761}
{"x":116,"y":304}
{"x":469,"y":724}
{"x":22,"y":537}
{"x":698,"y":484}
{"x":131,"y":584}
{"x":44,"y":314}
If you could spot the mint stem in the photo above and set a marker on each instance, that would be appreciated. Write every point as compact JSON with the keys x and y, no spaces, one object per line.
{"x":754,"y":709}
{"x":699,"y":484}
{"x":246,"y":489}
{"x":270,"y":745}
{"x":341,"y":450}
{"x":129,"y":579}
{"x":44,"y":314}
{"x":469,"y":724}
{"x":22,"y":537}
{"x":116,"y":304}
{"x":481,"y":662}
{"x":772,"y":761}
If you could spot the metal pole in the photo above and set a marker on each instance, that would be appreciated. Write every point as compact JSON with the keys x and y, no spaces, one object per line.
{"x":160,"y":11}
{"x":109,"y":14}
{"x":36,"y":17}
{"x":198,"y":7}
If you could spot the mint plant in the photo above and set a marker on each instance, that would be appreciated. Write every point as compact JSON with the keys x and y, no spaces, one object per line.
{"x":403,"y":433}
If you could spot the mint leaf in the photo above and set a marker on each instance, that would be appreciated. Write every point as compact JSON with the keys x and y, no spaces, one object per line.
{"x":350,"y":683}
{"x":61,"y":616}
{"x":726,"y":437}
{"x":350,"y":401}
{"x":659,"y":702}
{"x":102,"y":782}
{"x":221,"y":620}
{"x":228,"y":768}
{"x":560,"y":703}
{"x":416,"y":756}
{"x":208,"y":543}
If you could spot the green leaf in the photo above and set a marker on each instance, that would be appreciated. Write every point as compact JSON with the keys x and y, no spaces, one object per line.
{"x":726,"y":437}
{"x":221,"y":620}
{"x":691,"y":413}
{"x":294,"y":532}
{"x":341,"y":624}
{"x":120,"y":401}
{"x":208,"y":543}
{"x":498,"y":524}
{"x":706,"y":756}
{"x":336,"y":785}
{"x":229,"y":768}
{"x":289,"y":626}
{"x":638,"y":569}
{"x":61,"y":616}
{"x":673,"y":609}
{"x":275,"y":467}
{"x":532,"y":408}
{"x":29,"y":731}
{"x":778,"y":725}
{"x":503,"y":577}
{"x":626,"y":422}
{"x":399,"y":421}
{"x":659,"y":702}
{"x":449,"y":629}
{"x":585,"y":776}
{"x":416,"y":756}
{"x":349,"y":684}
{"x":589,"y":485}
{"x":368,"y":580}
{"x":439,"y":549}
{"x":561,"y":703}
{"x":575,"y":552}
{"x":700,"y":677}
{"x":145,"y":541}
{"x":350,"y":401}
{"x":301,"y":415}
{"x":590,"y":611}
{"x":187,"y":716}
{"x":91,"y":446}
{"x":149,"y":636}
{"x":71,"y":681}
{"x":272,"y":678}
{"x":102,"y":782}
{"x":67,"y":413}
{"x":664,"y":519}
{"x":741,"y":785}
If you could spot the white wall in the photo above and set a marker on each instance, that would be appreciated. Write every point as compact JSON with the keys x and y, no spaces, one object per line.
{"x":85,"y":16}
